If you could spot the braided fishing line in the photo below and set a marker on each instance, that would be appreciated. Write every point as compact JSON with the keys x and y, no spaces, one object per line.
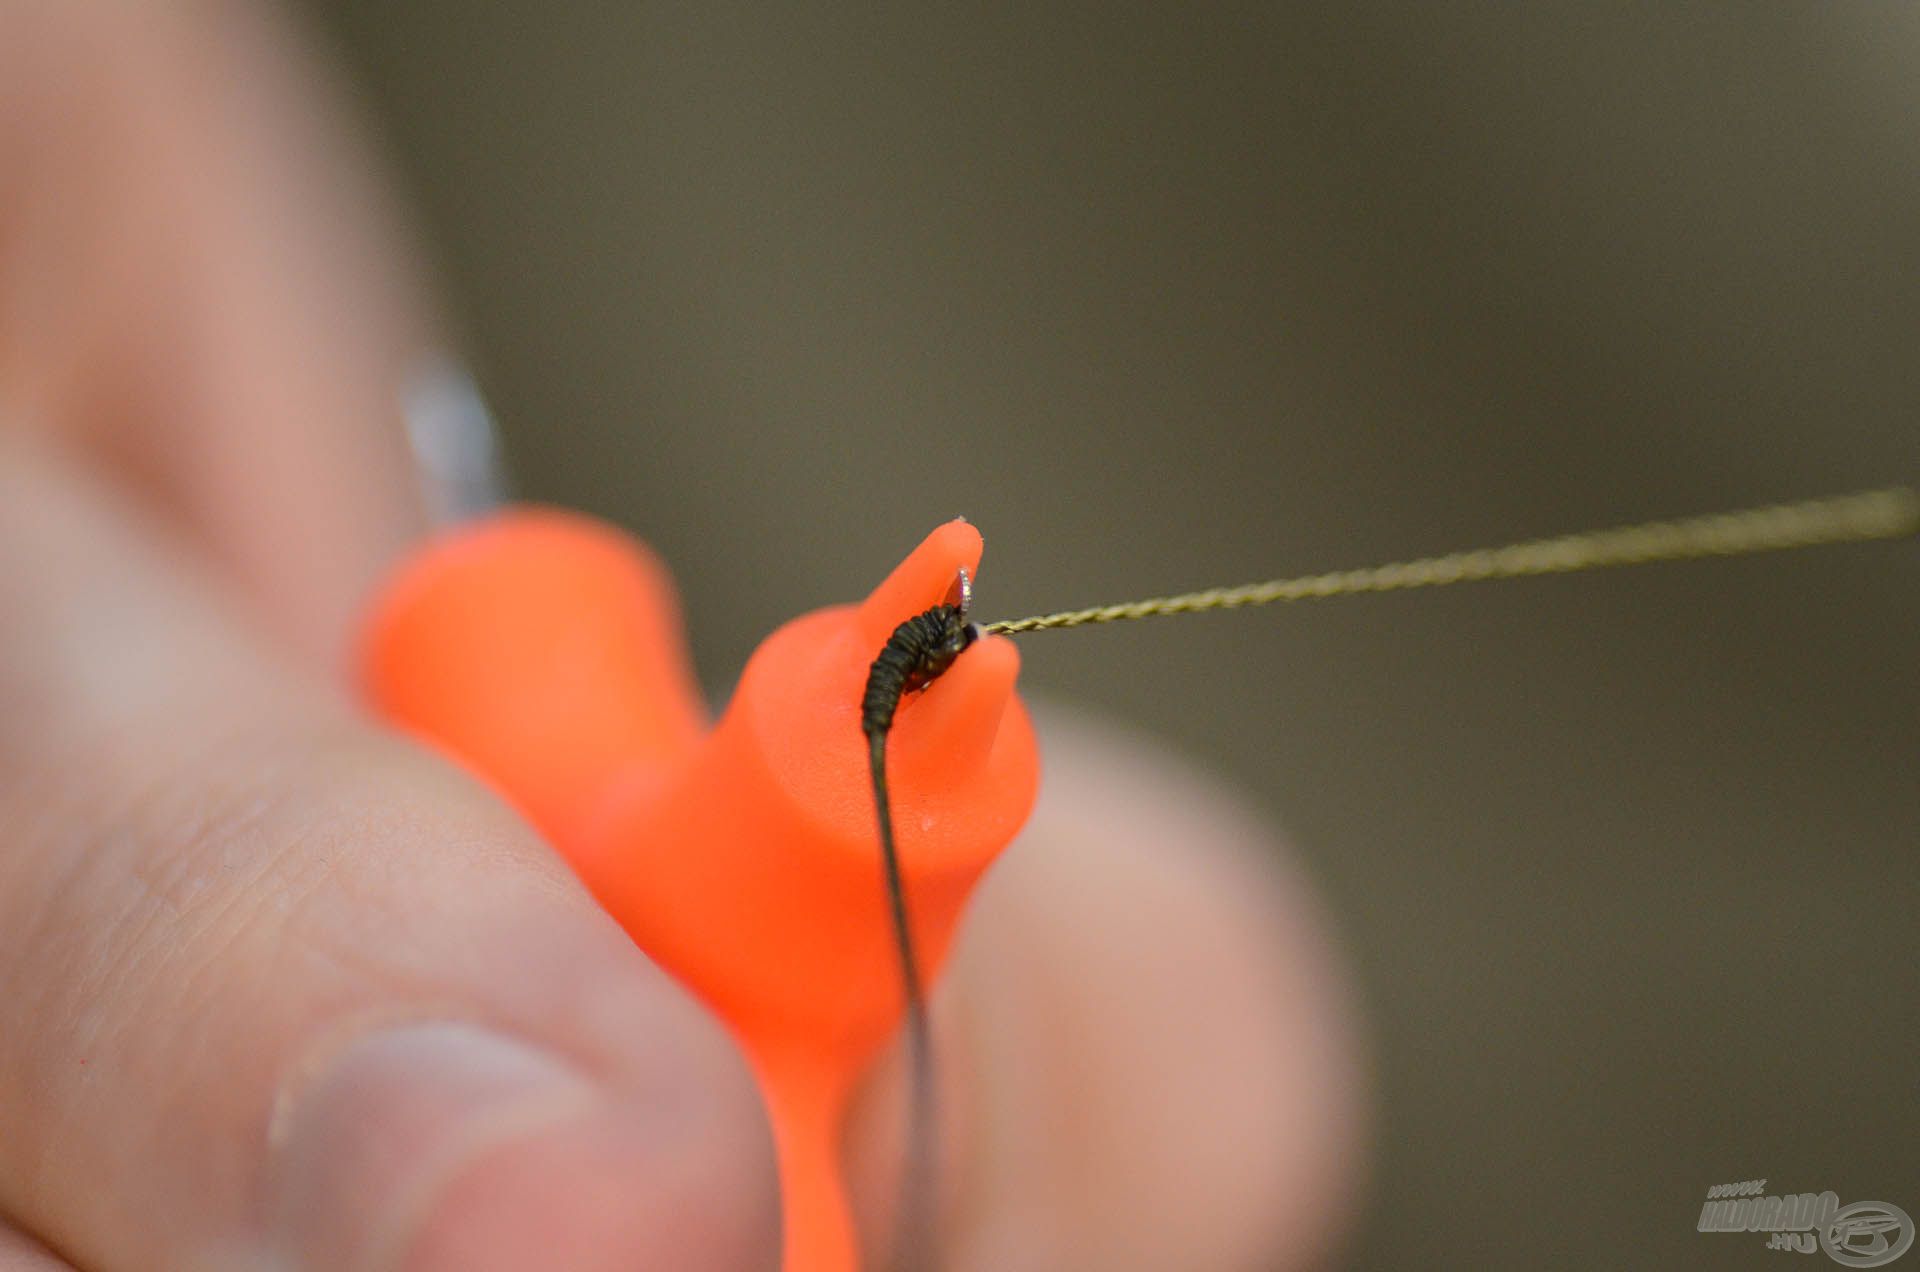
{"x":1876,"y":514}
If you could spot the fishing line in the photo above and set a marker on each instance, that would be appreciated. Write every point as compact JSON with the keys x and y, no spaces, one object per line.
{"x":917,"y":653}
{"x":924,"y":646}
{"x":1875,"y":514}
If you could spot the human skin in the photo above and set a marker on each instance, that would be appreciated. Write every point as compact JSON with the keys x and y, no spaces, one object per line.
{"x":278,"y":989}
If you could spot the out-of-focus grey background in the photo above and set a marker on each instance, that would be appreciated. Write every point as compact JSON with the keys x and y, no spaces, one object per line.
{"x":1164,"y":296}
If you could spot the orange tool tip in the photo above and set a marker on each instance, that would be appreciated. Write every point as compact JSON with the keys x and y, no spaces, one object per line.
{"x":921,"y":581}
{"x":780,"y":795}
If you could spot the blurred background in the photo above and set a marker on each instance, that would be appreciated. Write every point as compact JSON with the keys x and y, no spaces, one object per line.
{"x":1168,"y":296}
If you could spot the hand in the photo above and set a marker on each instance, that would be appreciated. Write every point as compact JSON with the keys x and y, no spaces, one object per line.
{"x":278,"y":989}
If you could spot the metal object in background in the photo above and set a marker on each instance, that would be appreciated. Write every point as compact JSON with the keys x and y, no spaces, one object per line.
{"x":455,"y":443}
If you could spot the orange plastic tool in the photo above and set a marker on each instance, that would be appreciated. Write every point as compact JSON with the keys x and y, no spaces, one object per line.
{"x":543,"y":650}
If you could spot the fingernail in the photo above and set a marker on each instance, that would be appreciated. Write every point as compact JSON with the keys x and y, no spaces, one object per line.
{"x":446,"y":1145}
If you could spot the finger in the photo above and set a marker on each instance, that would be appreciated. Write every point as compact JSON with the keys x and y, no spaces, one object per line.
{"x":21,"y":1253}
{"x":1150,"y":1058}
{"x":198,"y":279}
{"x":281,"y":988}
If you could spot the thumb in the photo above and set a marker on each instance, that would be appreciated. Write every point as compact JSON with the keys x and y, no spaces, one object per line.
{"x":283,"y":990}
